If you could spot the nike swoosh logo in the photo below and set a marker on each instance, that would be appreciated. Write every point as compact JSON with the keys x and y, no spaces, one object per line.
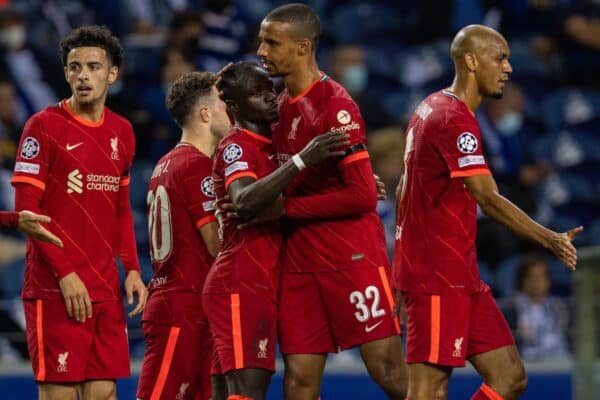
{"x":74,"y":146}
{"x":271,"y":156}
{"x":370,"y":328}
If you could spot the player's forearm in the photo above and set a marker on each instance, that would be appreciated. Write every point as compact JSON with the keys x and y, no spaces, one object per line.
{"x":500,"y":209}
{"x":255,"y":197}
{"x":9,"y":219}
{"x":28,"y":197}
{"x":128,"y":247}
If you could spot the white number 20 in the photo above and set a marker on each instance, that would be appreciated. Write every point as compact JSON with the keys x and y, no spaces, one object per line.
{"x":358,"y":299}
{"x":159,"y":224}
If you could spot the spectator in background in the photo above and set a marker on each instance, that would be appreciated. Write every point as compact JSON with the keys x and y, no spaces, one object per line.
{"x":149,"y":17}
{"x":38,"y":78}
{"x":506,"y":138}
{"x":538,"y":320}
{"x":348,"y":66}
{"x":386,"y":149}
{"x":176,"y":61}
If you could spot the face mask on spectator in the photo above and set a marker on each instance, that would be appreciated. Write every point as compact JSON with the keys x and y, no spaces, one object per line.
{"x":355,"y":78}
{"x":13,"y":37}
{"x":510,"y":123}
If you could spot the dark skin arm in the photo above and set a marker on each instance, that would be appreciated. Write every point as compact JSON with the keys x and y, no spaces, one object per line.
{"x":250,"y":196}
{"x":494,"y":205}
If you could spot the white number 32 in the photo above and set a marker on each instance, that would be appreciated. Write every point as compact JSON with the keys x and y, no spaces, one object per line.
{"x":358,"y":299}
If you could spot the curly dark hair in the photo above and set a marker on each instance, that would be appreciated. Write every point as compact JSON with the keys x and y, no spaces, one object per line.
{"x":237,"y":76}
{"x":185,"y":92}
{"x":92,"y":36}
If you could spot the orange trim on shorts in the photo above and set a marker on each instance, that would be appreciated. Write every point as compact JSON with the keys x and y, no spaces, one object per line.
{"x":388,"y":294}
{"x":434,"y":343}
{"x":239,"y":175}
{"x":470,"y":172}
{"x":26,"y":179}
{"x":39,"y":331}
{"x":166,"y":363}
{"x":490,"y":393}
{"x":239,"y":397}
{"x":361,"y":155}
{"x":236,"y":334}
{"x":205,"y":220}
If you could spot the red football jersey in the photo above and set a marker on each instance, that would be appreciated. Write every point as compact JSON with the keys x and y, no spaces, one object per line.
{"x":320,"y":243}
{"x":180,"y":201}
{"x":9,"y":219}
{"x":249,"y":257}
{"x":437,"y":216}
{"x":81,"y":166}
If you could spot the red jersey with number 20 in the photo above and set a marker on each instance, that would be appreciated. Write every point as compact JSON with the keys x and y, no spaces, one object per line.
{"x":323,"y":235}
{"x":81,"y":167}
{"x":249,"y":258}
{"x":437,"y":216}
{"x":180,"y":201}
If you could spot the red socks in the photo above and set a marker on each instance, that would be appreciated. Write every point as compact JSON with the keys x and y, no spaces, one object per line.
{"x":486,"y":393}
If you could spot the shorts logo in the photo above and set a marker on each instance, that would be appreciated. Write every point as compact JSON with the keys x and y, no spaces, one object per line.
{"x":182,"y":389}
{"x":114,"y":144}
{"x":295,"y":123}
{"x":467,"y":142}
{"x":232,"y":152}
{"x":343,"y":117}
{"x":75,"y":182}
{"x":30,"y":148}
{"x":262,"y":348}
{"x":372,"y":327}
{"x":208,"y":187}
{"x":62,"y":362}
{"x":457,"y":347}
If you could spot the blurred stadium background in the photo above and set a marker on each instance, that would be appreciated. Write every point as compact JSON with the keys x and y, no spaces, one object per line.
{"x":542,"y":141}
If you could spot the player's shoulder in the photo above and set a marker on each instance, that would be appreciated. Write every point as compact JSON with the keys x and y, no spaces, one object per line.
{"x":47,"y":115}
{"x":117,"y":119}
{"x":445,"y":108}
{"x":333,"y":93}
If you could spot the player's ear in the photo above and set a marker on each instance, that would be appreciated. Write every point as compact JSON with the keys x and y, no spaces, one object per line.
{"x":471,"y":61}
{"x":113,"y":74}
{"x":304,"y":47}
{"x":204,"y":114}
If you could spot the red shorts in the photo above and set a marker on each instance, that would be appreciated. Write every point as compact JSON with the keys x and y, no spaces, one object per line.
{"x":63,"y":350}
{"x":244,"y":329}
{"x":447,"y":329}
{"x":176,"y":363}
{"x":323,"y":312}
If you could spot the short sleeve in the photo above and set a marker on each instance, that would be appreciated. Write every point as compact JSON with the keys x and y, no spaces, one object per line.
{"x":344,"y":116}
{"x":199,"y":192}
{"x":33,"y":156}
{"x":238,"y":160}
{"x":461,"y":148}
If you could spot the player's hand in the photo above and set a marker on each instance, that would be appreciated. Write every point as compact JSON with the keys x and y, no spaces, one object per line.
{"x":562,"y":247}
{"x":30,"y":224}
{"x":226,"y":210}
{"x":134,"y":284}
{"x":272,"y":213}
{"x":77,"y":298}
{"x":381,"y":189}
{"x":324,"y":147}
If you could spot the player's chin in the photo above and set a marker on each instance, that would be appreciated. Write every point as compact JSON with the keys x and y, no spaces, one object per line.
{"x":496,"y":94}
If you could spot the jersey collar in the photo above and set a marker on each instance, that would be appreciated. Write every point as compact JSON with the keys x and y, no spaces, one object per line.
{"x":323,"y":78}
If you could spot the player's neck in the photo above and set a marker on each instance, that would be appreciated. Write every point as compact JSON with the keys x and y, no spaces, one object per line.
{"x":92,"y":112}
{"x":297,"y":81}
{"x":261,"y":129}
{"x":467,"y":91}
{"x":200,"y":138}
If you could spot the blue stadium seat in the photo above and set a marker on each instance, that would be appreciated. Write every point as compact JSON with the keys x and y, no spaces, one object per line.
{"x":593,"y":232}
{"x":351,"y":22}
{"x":571,"y":108}
{"x":11,"y":278}
{"x":401,"y":104}
{"x":141,"y":171}
{"x":506,"y":274}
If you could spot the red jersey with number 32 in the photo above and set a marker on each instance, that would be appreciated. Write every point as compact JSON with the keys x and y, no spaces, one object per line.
{"x":180,"y":201}
{"x":326,"y":244}
{"x":81,"y":166}
{"x":248,"y":258}
{"x":437,"y":215}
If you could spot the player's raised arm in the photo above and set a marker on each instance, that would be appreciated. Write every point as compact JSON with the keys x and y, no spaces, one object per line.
{"x":499,"y":208}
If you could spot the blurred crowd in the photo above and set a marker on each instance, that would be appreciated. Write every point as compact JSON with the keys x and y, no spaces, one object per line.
{"x":541,"y":139}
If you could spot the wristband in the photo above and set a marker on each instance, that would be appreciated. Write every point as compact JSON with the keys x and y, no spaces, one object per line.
{"x":298,"y":162}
